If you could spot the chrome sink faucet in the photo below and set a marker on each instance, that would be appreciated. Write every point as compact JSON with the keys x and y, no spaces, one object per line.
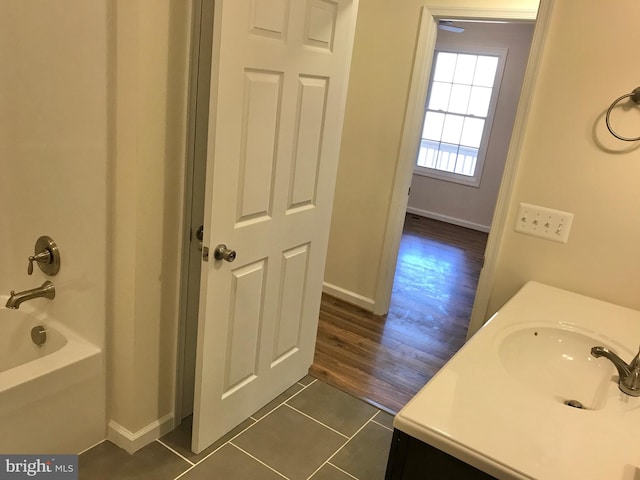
{"x":46,"y":290}
{"x":629,"y":375}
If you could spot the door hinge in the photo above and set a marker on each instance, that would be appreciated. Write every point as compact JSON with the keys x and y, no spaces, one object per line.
{"x":205,"y":254}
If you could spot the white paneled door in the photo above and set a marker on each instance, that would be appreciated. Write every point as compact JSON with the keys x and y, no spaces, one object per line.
{"x":279,"y":81}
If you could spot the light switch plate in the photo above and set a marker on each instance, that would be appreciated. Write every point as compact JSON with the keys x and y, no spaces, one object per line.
{"x":544,"y":222}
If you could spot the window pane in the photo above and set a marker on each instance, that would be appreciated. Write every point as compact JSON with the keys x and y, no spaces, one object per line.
{"x":458,"y":106}
{"x":445,"y":65}
{"x":432,"y":129}
{"x":485,"y":71}
{"x":452,"y":128}
{"x":459,"y":98}
{"x":440,"y":93}
{"x":465,"y":67}
{"x":428,"y":154}
{"x":462,"y":164}
{"x":472,"y":132}
{"x":479,"y":102}
{"x":447,"y":157}
{"x":466,"y":161}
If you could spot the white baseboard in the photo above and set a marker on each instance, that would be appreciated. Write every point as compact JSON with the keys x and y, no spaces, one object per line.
{"x":349,"y":297}
{"x":132,"y":442}
{"x":445,"y":218}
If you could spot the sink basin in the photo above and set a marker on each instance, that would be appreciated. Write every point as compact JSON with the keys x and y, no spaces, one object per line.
{"x":555,"y":361}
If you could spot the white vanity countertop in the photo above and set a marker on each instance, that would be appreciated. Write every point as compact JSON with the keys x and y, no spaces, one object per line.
{"x":477,"y":411}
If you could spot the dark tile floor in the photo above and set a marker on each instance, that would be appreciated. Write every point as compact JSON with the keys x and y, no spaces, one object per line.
{"x":312,"y":431}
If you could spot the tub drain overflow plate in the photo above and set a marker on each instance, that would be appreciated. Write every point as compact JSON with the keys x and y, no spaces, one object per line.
{"x":38,"y":335}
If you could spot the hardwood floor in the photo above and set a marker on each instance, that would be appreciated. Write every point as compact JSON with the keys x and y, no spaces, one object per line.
{"x":385,"y":360}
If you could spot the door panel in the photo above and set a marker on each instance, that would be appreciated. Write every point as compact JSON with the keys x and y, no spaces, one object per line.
{"x":321,"y":23}
{"x":290,"y":310}
{"x":243,"y":330}
{"x":277,"y":103}
{"x":269,"y":18}
{"x":259,"y":136}
{"x":309,"y":128}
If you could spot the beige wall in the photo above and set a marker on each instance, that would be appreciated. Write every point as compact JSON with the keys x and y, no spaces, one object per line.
{"x":151,"y":42}
{"x":378,"y":88}
{"x":53,"y":153}
{"x":53,"y":166}
{"x":466,"y":205}
{"x":92,"y":153}
{"x":570,"y":162}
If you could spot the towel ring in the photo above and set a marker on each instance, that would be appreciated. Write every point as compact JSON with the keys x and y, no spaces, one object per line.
{"x":635,"y":96}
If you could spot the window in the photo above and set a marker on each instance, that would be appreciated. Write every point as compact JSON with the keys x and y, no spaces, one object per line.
{"x":460,"y":104}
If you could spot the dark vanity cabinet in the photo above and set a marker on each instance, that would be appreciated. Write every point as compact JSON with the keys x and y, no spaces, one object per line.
{"x":412,"y":459}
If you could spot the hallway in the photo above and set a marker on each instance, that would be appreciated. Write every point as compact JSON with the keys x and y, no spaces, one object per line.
{"x":386,"y":360}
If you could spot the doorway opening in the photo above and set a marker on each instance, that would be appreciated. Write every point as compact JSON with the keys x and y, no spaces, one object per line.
{"x":465,"y":93}
{"x":440,"y":254}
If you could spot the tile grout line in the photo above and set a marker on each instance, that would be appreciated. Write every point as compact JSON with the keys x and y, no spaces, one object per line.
{"x":219,"y":447}
{"x":247,"y":428}
{"x":185,"y":472}
{"x":310,"y":383}
{"x":343,"y":471}
{"x":230,"y":441}
{"x":304,"y":387}
{"x":92,"y":446}
{"x":257,"y":460}
{"x":318,"y":421}
{"x":378,"y":423}
{"x":175,"y":451}
{"x":383,"y":426}
{"x":343,"y":445}
{"x":208,"y":455}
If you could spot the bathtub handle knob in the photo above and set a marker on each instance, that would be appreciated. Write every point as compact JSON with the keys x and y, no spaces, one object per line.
{"x":42,"y":257}
{"x":47,"y":255}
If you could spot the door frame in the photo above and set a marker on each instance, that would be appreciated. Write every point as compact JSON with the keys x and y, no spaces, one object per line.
{"x":201,"y":30}
{"x":410,"y":142}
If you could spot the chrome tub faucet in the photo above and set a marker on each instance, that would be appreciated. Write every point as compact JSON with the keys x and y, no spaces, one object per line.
{"x":629,"y":375}
{"x":46,"y":290}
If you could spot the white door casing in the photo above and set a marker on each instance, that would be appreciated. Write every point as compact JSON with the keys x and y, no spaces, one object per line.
{"x":279,"y":81}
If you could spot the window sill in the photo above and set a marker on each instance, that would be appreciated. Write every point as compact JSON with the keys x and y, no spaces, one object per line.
{"x":448,"y":177}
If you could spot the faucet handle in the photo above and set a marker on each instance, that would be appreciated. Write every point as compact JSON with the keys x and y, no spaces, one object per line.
{"x":42,"y":257}
{"x":47,"y":255}
{"x":631,"y":384}
{"x":635,"y":363}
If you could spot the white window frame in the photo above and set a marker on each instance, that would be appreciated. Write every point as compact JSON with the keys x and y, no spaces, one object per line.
{"x":473,"y":181}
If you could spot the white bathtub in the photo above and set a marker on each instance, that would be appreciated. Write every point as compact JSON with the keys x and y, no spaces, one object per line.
{"x":51,"y":397}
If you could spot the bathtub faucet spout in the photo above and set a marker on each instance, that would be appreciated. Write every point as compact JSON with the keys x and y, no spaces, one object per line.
{"x":46,"y":290}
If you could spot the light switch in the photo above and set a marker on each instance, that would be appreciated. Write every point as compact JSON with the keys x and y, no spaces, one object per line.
{"x":544,"y":222}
